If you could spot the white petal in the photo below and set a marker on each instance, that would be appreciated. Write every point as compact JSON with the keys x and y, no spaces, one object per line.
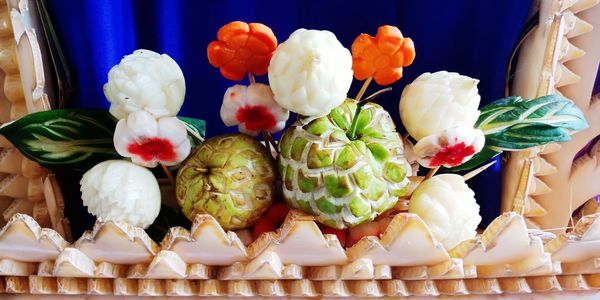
{"x":182,"y":151}
{"x":118,"y":190}
{"x":425,"y":162}
{"x":426,"y":148}
{"x":234,"y":98}
{"x":447,"y":204}
{"x":429,"y":146}
{"x":437,"y":101}
{"x":148,"y":164}
{"x":145,"y":80}
{"x":260,"y":94}
{"x":278,"y":127}
{"x":172,"y":129}
{"x":478,"y":140}
{"x":309,"y":64}
{"x":122,"y":139}
{"x":242,"y":128}
{"x":228,"y":115}
{"x":142,"y":124}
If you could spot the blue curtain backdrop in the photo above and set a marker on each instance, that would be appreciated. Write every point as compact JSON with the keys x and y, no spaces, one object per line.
{"x":471,"y":37}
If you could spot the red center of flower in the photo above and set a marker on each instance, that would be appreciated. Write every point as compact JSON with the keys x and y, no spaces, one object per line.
{"x":452,"y":155}
{"x":153,"y":148}
{"x":256,"y":118}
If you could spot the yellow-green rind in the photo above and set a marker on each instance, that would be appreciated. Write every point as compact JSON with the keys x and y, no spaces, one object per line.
{"x":231,"y":177}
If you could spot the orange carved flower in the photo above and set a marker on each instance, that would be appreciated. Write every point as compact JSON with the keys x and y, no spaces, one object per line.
{"x":383,"y":56}
{"x":242,"y":48}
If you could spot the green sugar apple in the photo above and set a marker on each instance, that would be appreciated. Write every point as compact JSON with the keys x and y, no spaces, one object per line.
{"x":231,"y":177}
{"x":343,"y":181}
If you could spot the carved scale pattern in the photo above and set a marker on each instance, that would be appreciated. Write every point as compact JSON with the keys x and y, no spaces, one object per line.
{"x":25,"y":187}
{"x":542,"y":183}
{"x":118,"y":259}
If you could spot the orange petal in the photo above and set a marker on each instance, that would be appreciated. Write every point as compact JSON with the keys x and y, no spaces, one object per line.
{"x":389,"y":39}
{"x":235,"y":69}
{"x":362,"y":69}
{"x":236,"y":41}
{"x":361,"y":42}
{"x":259,"y":64}
{"x":397,"y":60}
{"x":387,"y":76}
{"x":257,"y":46}
{"x":235,"y":27}
{"x":261,"y":39}
{"x":231,"y":76}
{"x":370,"y":53}
{"x":408,"y":51}
{"x":219,"y":54}
{"x":234,"y":34}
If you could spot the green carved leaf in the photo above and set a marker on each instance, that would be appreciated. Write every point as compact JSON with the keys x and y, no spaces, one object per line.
{"x":513,"y":123}
{"x":519,"y":138}
{"x":196,"y":128}
{"x":73,"y":139}
{"x":551,"y":110}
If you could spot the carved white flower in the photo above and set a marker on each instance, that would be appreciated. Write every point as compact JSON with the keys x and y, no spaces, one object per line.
{"x":145,"y":80}
{"x":149,"y":141}
{"x":117,"y":190}
{"x":449,"y":148}
{"x":253,"y":109}
{"x":439,"y":101}
{"x":448,"y":207}
{"x":311,"y":72}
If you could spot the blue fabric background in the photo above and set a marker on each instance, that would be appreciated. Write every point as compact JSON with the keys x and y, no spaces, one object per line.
{"x":471,"y":37}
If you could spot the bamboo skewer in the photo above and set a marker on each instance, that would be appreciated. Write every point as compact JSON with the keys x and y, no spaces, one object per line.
{"x":478,"y":170}
{"x":169,"y":174}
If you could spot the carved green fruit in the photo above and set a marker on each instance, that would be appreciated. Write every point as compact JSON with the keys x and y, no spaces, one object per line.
{"x":343,"y":182}
{"x":231,"y":177}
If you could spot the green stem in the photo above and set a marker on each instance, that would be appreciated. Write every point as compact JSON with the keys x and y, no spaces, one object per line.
{"x":352,"y":131}
{"x":363,"y":89}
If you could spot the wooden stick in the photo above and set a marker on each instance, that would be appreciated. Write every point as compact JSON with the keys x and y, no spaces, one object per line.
{"x":273,"y":142}
{"x":190,"y":131}
{"x":478,"y":170}
{"x":520,"y":197}
{"x":251,"y":78}
{"x":557,"y":228}
{"x":431,"y":173}
{"x":363,"y":89}
{"x":571,"y":206}
{"x":267,"y":143}
{"x":168,"y":173}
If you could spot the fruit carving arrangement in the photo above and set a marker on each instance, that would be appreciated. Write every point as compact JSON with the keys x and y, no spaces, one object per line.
{"x":342,"y":160}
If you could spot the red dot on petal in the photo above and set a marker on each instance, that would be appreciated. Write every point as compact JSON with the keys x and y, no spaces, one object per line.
{"x":256,"y":118}
{"x":452,"y":155}
{"x":153,"y":148}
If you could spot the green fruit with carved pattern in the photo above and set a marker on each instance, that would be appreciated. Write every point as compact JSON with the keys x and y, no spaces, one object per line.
{"x":344,"y":181}
{"x":231,"y":177}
